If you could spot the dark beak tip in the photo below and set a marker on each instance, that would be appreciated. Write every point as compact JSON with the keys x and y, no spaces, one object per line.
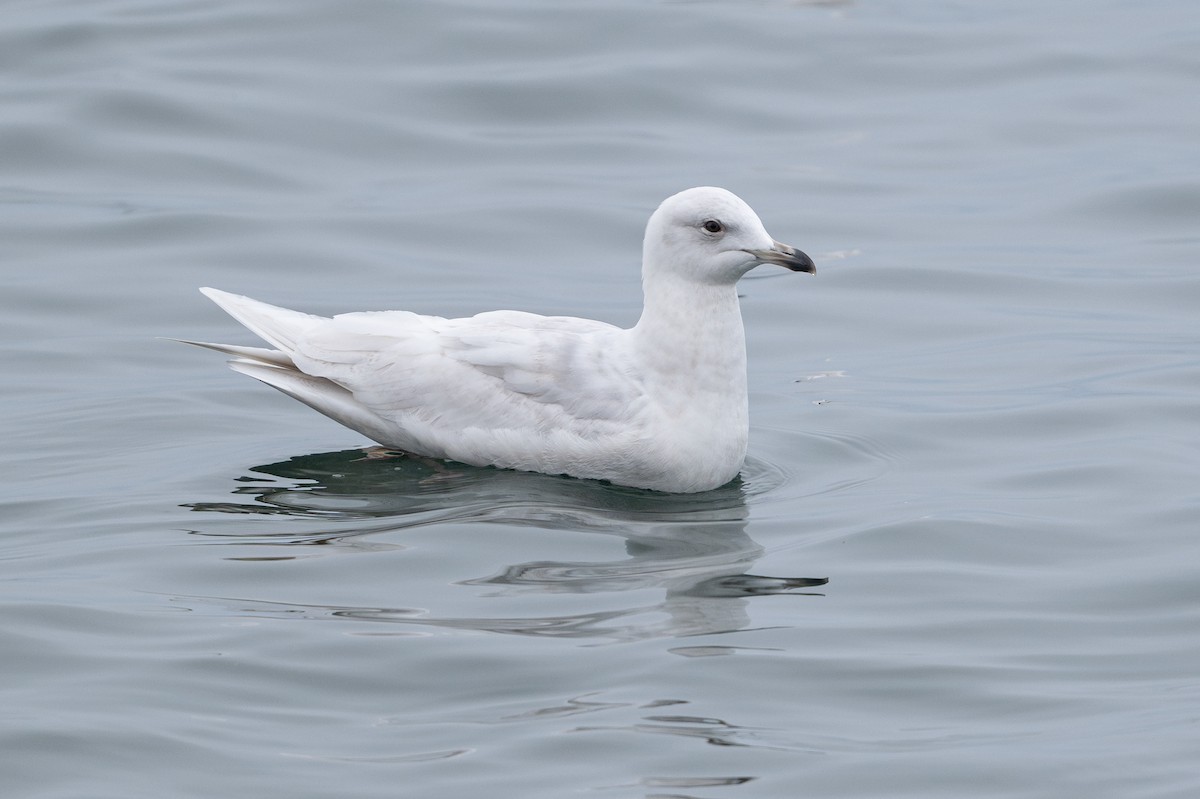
{"x":802,"y":263}
{"x":785,"y":256}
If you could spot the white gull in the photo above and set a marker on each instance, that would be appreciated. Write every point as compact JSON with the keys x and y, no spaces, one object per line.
{"x":661,"y":405}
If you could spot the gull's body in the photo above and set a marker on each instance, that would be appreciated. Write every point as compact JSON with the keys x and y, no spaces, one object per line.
{"x":661,"y":405}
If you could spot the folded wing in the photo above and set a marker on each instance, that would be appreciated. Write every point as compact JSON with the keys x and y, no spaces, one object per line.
{"x":500,"y":382}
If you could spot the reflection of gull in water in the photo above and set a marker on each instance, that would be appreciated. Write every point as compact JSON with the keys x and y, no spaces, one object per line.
{"x":694,"y":547}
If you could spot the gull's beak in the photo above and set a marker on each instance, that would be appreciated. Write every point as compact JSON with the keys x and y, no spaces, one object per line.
{"x":785,"y":255}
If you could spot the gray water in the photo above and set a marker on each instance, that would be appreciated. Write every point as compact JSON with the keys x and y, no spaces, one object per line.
{"x":979,"y":420}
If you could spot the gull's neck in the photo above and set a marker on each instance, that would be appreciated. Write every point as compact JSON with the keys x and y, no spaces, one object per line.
{"x":690,"y":336}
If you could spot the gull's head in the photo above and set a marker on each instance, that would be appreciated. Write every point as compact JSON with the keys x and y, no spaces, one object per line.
{"x":709,"y":235}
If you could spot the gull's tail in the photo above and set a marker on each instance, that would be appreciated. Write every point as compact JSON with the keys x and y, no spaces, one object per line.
{"x":277,"y":326}
{"x":282,"y":327}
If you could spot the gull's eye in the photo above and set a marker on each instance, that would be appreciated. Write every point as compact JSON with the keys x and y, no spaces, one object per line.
{"x":713,"y":226}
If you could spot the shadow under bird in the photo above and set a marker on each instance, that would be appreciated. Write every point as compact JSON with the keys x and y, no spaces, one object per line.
{"x":661,"y":405}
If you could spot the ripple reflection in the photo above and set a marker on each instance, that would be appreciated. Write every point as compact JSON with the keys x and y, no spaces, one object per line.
{"x":693,"y":548}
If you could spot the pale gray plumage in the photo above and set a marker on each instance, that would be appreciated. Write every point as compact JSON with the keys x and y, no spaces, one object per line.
{"x":661,"y":405}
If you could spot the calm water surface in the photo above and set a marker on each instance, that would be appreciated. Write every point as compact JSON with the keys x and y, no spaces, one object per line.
{"x":978,"y":421}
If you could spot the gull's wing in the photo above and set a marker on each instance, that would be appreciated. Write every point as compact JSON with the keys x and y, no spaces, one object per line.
{"x":445,"y":387}
{"x":503,"y":370}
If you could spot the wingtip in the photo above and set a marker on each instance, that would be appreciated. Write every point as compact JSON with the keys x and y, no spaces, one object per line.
{"x":279,"y":327}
